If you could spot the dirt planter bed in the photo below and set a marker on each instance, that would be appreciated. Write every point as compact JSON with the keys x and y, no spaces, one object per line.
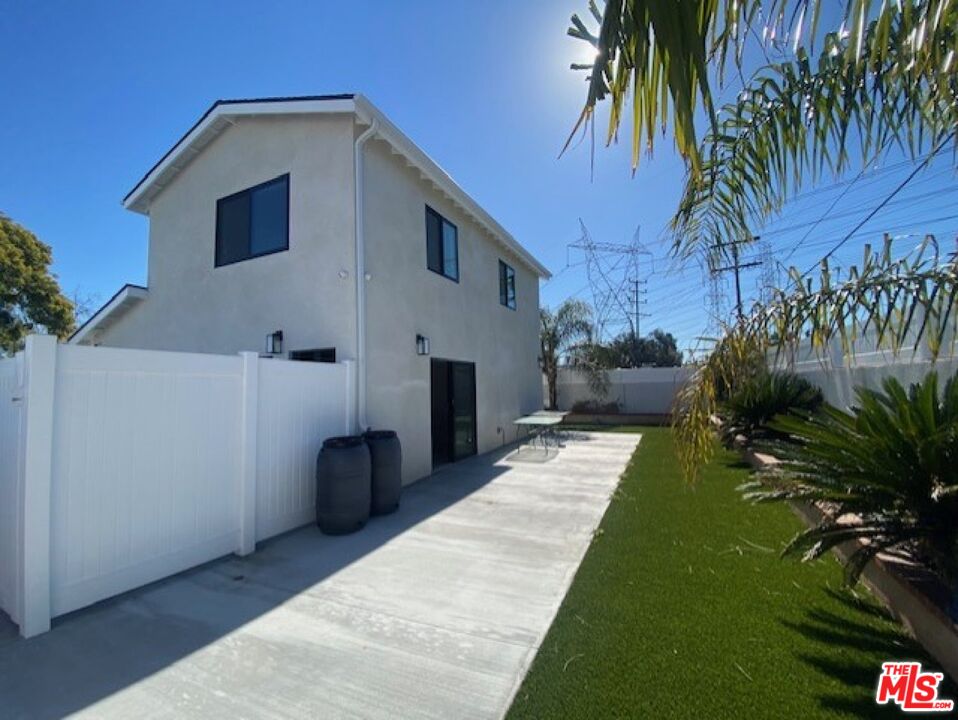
{"x":898,"y":586}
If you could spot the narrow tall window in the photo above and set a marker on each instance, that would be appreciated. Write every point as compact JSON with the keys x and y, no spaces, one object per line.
{"x":253,"y":222}
{"x":507,"y":285}
{"x":442,"y":245}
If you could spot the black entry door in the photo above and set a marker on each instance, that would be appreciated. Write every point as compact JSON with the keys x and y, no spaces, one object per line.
{"x":453,"y":410}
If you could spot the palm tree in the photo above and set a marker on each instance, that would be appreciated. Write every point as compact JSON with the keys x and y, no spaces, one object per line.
{"x":902,"y":304}
{"x":884,"y":77}
{"x":561,"y":333}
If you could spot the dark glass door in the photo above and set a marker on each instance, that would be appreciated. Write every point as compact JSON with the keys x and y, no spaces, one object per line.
{"x":453,"y":400}
{"x":463,"y":409}
{"x":441,"y":415}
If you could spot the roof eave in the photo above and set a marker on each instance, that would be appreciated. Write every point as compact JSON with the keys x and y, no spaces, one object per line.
{"x":126,"y":297}
{"x":210,"y":125}
{"x":224,"y":112}
{"x":433,"y":173}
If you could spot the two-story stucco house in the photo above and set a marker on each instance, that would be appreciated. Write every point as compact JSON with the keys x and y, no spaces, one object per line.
{"x":313,"y":228}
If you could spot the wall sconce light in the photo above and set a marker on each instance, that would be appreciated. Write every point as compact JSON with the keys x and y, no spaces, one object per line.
{"x":274,"y":343}
{"x":422,"y":345}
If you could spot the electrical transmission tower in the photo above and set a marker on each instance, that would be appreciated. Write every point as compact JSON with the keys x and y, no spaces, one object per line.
{"x":614,"y":274}
{"x":718,"y":303}
{"x":769,"y":278}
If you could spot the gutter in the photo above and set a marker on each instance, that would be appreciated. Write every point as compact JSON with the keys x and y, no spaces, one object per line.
{"x":360,"y":232}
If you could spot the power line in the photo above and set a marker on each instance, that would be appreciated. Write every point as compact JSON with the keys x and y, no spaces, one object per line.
{"x":771,"y":230}
{"x":823,"y":216}
{"x":921,"y":166}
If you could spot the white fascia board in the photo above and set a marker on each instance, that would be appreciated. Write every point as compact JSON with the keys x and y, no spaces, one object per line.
{"x":365,"y":111}
{"x":226,"y":111}
{"x":128,"y":295}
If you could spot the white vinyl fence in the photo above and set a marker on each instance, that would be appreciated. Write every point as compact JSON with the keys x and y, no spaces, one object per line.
{"x":639,"y":391}
{"x":838,"y":373}
{"x":121,"y":467}
{"x":651,"y":391}
{"x":10,"y":468}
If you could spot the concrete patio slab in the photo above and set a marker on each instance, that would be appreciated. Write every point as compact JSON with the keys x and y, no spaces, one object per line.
{"x":435,"y":611}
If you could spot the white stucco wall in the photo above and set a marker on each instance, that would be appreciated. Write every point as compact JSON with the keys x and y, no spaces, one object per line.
{"x":194,"y":306}
{"x":463,"y":321}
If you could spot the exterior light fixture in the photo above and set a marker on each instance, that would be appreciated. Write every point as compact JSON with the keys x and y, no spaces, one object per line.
{"x":274,"y":343}
{"x":422,"y":345}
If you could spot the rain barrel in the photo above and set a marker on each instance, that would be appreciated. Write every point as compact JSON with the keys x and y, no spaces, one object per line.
{"x":386,"y":455}
{"x":343,"y":485}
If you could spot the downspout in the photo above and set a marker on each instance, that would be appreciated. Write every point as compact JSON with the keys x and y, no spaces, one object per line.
{"x":360,"y":210}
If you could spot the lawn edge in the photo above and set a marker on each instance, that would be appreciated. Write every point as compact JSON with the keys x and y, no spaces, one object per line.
{"x":567,"y":582}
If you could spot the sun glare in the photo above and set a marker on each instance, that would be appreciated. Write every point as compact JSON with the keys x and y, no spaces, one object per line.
{"x":585,"y":54}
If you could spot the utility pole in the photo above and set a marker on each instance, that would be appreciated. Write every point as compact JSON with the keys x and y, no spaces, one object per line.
{"x":639,"y":292}
{"x":736,"y":267}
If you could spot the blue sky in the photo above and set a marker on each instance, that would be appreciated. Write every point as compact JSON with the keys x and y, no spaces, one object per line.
{"x":94,"y":93}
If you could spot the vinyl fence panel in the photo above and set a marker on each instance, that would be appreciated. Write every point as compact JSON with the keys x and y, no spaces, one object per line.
{"x":838,"y":373}
{"x":121,"y":467}
{"x":299,"y":405}
{"x":11,"y":469}
{"x":145,"y":468}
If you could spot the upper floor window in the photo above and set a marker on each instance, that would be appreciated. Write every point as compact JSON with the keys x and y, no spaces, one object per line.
{"x":507,"y":285}
{"x":442,"y":245}
{"x":253,"y":222}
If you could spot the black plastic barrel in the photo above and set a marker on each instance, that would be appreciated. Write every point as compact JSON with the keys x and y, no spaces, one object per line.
{"x":343,"y":485}
{"x":385,"y":452}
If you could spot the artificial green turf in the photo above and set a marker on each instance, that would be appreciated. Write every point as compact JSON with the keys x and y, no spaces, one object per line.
{"x":683,"y":608}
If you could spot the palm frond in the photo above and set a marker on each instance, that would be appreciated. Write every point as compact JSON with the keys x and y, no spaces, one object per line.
{"x":884,"y":78}
{"x":888,"y":299}
{"x":796,"y":120}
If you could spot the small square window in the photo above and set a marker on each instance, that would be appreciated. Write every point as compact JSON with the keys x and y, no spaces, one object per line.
{"x":320,"y":355}
{"x":507,"y":285}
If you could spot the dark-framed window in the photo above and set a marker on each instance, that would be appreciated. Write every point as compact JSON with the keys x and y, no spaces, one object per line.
{"x":253,"y":222}
{"x":323,"y":355}
{"x":507,"y":285}
{"x":442,"y":245}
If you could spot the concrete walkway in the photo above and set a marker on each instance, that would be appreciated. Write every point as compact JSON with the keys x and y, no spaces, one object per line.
{"x":433,"y":612}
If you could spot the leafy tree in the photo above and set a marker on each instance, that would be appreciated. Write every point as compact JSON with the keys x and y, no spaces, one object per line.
{"x":566,"y":336}
{"x":30,"y":297}
{"x":658,"y":349}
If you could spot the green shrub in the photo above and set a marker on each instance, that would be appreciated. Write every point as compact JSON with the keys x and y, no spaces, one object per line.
{"x":749,"y":409}
{"x":593,"y":407}
{"x":890,"y":467}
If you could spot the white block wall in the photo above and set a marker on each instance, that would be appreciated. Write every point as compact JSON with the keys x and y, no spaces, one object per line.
{"x":640,"y":391}
{"x":838,"y":373}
